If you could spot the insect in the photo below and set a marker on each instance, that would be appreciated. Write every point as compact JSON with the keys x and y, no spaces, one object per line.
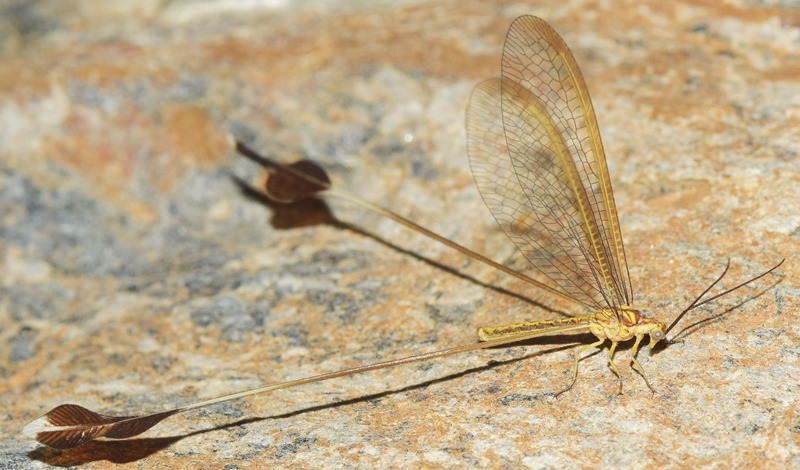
{"x":535,"y":151}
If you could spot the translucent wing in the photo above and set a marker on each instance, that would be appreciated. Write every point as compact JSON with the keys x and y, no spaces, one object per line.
{"x":538,"y":160}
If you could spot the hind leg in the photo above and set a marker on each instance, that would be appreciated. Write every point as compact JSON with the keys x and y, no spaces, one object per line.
{"x":575,"y":363}
{"x":613,"y":366}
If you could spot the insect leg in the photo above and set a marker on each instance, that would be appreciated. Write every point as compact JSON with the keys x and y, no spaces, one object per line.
{"x":635,"y":362}
{"x":613,"y":366}
{"x":575,"y":363}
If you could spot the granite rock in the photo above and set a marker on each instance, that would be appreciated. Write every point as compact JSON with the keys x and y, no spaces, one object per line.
{"x":137,"y":275}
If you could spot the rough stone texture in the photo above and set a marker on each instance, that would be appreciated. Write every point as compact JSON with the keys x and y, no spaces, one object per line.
{"x":136,"y":275}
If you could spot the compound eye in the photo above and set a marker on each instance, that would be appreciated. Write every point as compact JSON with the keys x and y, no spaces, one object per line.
{"x":657,"y":335}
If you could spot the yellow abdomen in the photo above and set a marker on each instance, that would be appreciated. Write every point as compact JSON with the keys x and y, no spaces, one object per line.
{"x":547,"y":327}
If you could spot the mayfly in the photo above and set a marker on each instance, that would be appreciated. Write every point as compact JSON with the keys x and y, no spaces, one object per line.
{"x":535,"y":151}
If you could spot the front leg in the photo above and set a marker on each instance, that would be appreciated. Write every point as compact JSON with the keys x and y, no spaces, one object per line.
{"x":635,"y":362}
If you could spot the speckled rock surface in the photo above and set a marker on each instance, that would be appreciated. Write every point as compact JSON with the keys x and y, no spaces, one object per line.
{"x":136,"y":275}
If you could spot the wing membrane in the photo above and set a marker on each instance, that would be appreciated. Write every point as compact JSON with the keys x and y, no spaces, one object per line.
{"x":538,"y":160}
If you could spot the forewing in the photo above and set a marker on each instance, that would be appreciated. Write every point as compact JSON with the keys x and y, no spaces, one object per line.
{"x":538,"y":161}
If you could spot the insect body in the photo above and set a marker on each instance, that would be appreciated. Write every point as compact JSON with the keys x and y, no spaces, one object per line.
{"x":538,"y":160}
{"x":616,"y":325}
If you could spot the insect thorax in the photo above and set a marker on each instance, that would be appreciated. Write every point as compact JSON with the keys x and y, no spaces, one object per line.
{"x":623,"y":323}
